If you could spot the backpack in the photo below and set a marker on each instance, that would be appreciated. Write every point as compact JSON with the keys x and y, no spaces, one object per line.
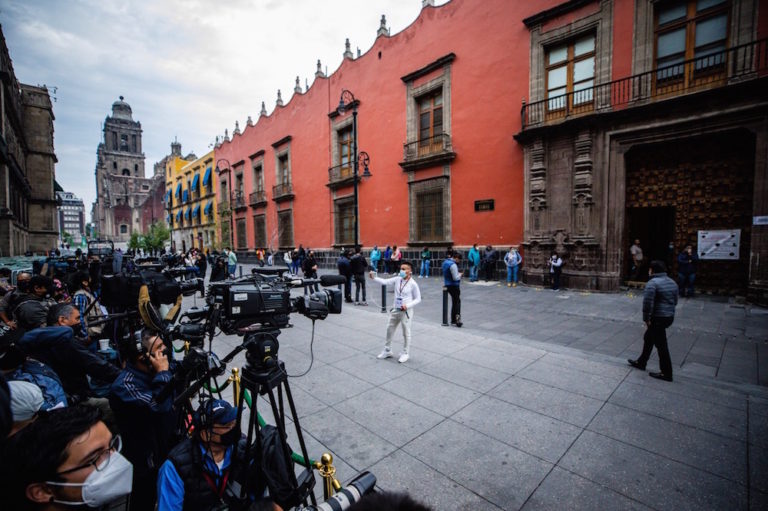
{"x":276,"y":467}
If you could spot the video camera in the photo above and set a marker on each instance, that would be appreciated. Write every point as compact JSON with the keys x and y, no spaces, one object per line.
{"x":122,"y":290}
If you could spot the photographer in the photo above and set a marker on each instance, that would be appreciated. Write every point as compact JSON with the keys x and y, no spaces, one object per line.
{"x":65,"y":458}
{"x":82,"y":299}
{"x":9,"y":300}
{"x":148,"y":427}
{"x":196,"y":473}
{"x":31,"y":308}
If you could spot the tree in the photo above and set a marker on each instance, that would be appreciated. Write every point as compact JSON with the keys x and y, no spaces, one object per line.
{"x":156,"y":237}
{"x":135,"y":241}
{"x":67,"y":238}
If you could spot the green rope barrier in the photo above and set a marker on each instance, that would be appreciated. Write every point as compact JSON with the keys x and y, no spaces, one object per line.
{"x":217,"y":390}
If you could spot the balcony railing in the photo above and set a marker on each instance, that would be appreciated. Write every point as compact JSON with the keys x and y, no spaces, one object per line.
{"x":706,"y":72}
{"x":427,"y":152}
{"x":238,"y":200}
{"x":341,"y":174}
{"x":257,"y":198}
{"x":222,"y":207}
{"x":282,"y":192}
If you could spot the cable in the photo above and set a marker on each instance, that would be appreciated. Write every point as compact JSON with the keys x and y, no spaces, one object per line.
{"x":311,"y":354}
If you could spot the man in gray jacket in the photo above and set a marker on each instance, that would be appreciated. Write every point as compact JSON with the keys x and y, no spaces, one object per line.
{"x":659,"y":301}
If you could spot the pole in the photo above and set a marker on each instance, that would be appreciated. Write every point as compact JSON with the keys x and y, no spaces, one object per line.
{"x":356,"y":169}
{"x":231,"y":212}
{"x":383,"y":298}
{"x":445,"y":306}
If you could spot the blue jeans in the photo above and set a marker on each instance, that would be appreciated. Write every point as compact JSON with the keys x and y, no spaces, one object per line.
{"x":512,"y":274}
{"x":424,"y":268}
{"x":686,"y":283}
{"x":473,"y":273}
{"x":375,"y":265}
{"x":231,"y":268}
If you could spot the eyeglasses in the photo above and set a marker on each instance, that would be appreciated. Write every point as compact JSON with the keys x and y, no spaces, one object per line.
{"x":100,"y":460}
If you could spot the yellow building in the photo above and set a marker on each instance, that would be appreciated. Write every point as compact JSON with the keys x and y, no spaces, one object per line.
{"x":190,"y":193}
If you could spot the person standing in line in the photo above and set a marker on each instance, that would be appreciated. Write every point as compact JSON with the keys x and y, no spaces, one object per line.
{"x":489,"y":262}
{"x":659,"y":302}
{"x":452,"y":283}
{"x":358,"y":265}
{"x":636,"y":252}
{"x":512,"y":259}
{"x":426,"y":256}
{"x":302,"y":255}
{"x":375,"y":258}
{"x":397,"y":256}
{"x":555,"y":268}
{"x":387,"y":258}
{"x":407,"y":296}
{"x":295,"y":262}
{"x":474,"y":263}
{"x":231,"y":261}
{"x":287,"y":260}
{"x":686,"y":271}
{"x":345,"y":270}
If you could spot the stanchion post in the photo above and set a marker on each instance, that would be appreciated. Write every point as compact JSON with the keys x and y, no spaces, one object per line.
{"x":241,"y":270}
{"x":445,"y":306}
{"x":383,"y":298}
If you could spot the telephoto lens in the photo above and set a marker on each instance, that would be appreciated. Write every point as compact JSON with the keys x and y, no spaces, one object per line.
{"x":348,"y":495}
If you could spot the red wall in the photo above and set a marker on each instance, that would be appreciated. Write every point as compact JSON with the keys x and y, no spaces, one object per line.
{"x":489,"y":79}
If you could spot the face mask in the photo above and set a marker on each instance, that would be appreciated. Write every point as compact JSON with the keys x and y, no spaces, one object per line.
{"x":230,"y":437}
{"x":402,"y":274}
{"x":76,"y":330}
{"x":102,"y":487}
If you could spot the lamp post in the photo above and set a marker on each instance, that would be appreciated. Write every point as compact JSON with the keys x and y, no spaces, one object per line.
{"x":228,"y":170}
{"x":346,"y":100}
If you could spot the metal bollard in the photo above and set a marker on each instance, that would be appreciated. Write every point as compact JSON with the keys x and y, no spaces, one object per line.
{"x":445,"y":306}
{"x":383,"y":298}
{"x":241,"y":271}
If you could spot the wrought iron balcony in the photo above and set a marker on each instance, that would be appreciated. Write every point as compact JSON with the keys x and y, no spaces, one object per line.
{"x":427,"y":152}
{"x":341,"y":175}
{"x":710,"y":71}
{"x":257,"y":198}
{"x":282,"y":192}
{"x":222,"y":207}
{"x":238,"y":200}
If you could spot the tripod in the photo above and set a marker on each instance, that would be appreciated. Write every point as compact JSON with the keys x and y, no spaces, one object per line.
{"x":262,"y":376}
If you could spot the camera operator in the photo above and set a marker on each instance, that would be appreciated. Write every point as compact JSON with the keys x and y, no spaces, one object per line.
{"x":82,"y":299}
{"x":32,"y":307}
{"x":219,"y":269}
{"x":148,"y":426}
{"x":65,"y":458}
{"x":309,"y":267}
{"x":9,"y":300}
{"x":196,"y":473}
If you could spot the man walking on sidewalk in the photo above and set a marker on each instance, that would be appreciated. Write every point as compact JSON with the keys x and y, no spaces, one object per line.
{"x":659,"y":301}
{"x":407,"y":296}
{"x":452,"y":283}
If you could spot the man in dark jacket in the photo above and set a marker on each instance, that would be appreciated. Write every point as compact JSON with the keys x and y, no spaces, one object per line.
{"x":490,"y":256}
{"x":358,"y":265}
{"x":686,"y":270}
{"x":345,"y":270}
{"x":309,"y":267}
{"x":31,"y":309}
{"x":147,"y":425}
{"x":659,"y":302}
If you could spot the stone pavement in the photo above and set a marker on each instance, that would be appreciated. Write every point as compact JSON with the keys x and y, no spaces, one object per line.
{"x":498,"y":415}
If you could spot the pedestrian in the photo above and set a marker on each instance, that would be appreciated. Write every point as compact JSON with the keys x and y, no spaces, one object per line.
{"x":489,"y":262}
{"x":287,"y":260}
{"x":271,"y":258}
{"x":686,"y":271}
{"x":407,"y":296}
{"x":387,"y":258}
{"x":452,"y":283}
{"x":295,"y":262}
{"x":358,"y":265}
{"x":302,"y":255}
{"x":426,"y":255}
{"x":659,"y":302}
{"x":513,"y":260}
{"x":375,"y":258}
{"x":636,"y":253}
{"x":474,"y":263}
{"x":396,"y":257}
{"x":345,"y":270}
{"x":260,"y":256}
{"x":310,"y":270}
{"x":231,"y":261}
{"x":555,"y":268}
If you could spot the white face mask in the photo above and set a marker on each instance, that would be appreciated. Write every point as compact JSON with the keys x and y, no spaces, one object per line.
{"x":402,"y":274}
{"x":102,"y":487}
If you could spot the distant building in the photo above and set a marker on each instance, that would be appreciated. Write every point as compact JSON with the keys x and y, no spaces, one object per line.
{"x":27,"y":160}
{"x":71,"y":216}
{"x":126,"y":200}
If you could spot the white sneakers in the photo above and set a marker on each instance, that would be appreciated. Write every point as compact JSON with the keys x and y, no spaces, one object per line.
{"x":388,"y":354}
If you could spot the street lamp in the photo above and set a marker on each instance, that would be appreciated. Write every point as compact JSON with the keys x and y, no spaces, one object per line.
{"x":346,"y":100}
{"x":228,"y":170}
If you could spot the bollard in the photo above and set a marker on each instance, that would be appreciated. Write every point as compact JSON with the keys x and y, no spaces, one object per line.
{"x":445,"y":306}
{"x":241,"y":271}
{"x":383,"y":298}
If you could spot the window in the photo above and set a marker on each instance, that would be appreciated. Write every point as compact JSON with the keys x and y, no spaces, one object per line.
{"x":430,"y":122}
{"x":258,"y":178}
{"x":224,"y":190}
{"x":686,"y":30}
{"x":242,"y":242}
{"x":124,"y":142}
{"x":126,"y":172}
{"x":114,"y":141}
{"x":345,"y":152}
{"x":114,"y":165}
{"x":285,"y":228}
{"x":260,"y":230}
{"x":133,"y":143}
{"x":239,"y":184}
{"x":283,"y":170}
{"x":123,"y":229}
{"x":136,"y":168}
{"x":345,"y":221}
{"x":571,"y":70}
{"x":429,"y":215}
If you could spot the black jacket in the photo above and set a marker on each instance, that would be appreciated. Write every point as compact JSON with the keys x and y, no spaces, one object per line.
{"x":344,"y":268}
{"x":358,"y":264}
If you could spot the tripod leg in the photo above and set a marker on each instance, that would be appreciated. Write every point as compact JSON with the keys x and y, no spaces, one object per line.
{"x":299,"y":434}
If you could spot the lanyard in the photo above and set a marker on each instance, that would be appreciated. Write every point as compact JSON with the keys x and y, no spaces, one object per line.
{"x":403,"y":283}
{"x":219,"y":491}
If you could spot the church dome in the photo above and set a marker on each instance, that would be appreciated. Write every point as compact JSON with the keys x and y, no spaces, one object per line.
{"x":122,"y":110}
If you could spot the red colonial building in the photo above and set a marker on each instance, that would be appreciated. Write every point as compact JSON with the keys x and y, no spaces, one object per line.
{"x":572,"y":126}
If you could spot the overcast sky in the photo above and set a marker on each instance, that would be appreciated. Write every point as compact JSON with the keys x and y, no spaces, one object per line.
{"x":188,"y":68}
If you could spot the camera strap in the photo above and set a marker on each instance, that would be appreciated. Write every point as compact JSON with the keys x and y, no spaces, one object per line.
{"x":218,"y":490}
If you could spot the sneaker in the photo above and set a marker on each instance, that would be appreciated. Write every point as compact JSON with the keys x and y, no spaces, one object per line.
{"x":514,"y":285}
{"x":403,"y":358}
{"x":364,"y":304}
{"x":357,"y":303}
{"x":385,"y":354}
{"x":509,"y":285}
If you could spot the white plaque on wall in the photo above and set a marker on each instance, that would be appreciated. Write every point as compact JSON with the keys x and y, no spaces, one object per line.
{"x":719,"y":245}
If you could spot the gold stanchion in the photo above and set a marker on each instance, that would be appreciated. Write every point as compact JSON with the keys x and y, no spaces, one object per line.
{"x":325,"y":466}
{"x":235,"y":379}
{"x":186,"y":348}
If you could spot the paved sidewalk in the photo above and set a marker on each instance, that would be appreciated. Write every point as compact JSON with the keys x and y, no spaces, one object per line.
{"x":480,"y":420}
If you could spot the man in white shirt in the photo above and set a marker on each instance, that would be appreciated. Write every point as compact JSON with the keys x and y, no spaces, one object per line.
{"x":407,"y":295}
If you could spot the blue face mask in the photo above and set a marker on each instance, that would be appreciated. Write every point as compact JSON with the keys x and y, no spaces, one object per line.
{"x":402,"y":274}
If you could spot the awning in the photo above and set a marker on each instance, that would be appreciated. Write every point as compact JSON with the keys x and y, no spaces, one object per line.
{"x":178,"y":216}
{"x":167,"y":196}
{"x":178,"y":190}
{"x":196,"y":211}
{"x":168,"y":219}
{"x":196,"y":182}
{"x":185,"y":196}
{"x":208,"y":210}
{"x":207,"y":176}
{"x":186,"y":213}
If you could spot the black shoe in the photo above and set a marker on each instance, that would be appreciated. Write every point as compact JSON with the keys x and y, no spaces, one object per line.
{"x":636,"y":364}
{"x":459,"y":323}
{"x":660,"y":376}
